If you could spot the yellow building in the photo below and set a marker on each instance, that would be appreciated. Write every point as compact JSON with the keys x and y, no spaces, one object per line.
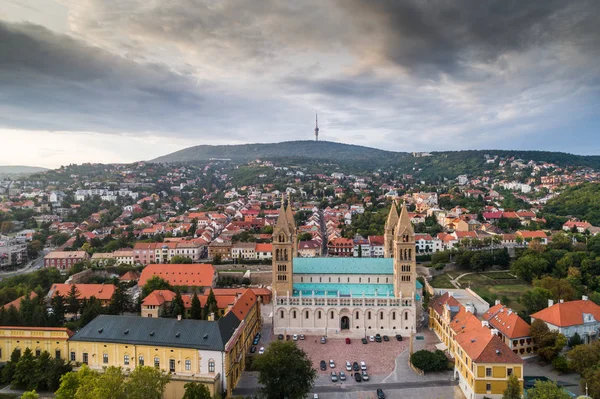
{"x":54,"y":340}
{"x":483,"y":362}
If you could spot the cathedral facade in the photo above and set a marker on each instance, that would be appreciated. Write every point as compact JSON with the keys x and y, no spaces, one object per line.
{"x":345,"y":297}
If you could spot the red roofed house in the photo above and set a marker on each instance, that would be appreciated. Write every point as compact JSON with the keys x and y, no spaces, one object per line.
{"x":580,"y":226}
{"x":581,"y":317}
{"x":156,"y":302}
{"x":377,"y":246}
{"x":512,"y":329}
{"x":533,"y":236}
{"x":343,"y":247}
{"x":187,"y":275}
{"x":264,"y":251}
{"x":102,"y":292}
{"x":64,"y":260}
{"x":309,"y":249}
{"x":17,"y":302}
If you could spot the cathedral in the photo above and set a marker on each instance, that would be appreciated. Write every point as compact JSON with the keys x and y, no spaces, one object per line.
{"x":346,"y":297}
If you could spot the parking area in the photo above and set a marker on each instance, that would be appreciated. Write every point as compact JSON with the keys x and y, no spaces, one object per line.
{"x":380,"y":357}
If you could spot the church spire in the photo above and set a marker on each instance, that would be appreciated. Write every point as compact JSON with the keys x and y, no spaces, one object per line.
{"x":316,"y":127}
{"x":392,"y":218}
{"x":404,"y":225}
{"x":290,"y":215}
{"x":282,"y":222}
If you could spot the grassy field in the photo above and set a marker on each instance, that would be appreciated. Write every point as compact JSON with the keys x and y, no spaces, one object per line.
{"x":489,"y":286}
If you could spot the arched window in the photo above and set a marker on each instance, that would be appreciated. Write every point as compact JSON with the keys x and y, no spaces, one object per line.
{"x":157,"y":362}
{"x":405,"y":315}
{"x":188,"y":365}
{"x":126,"y":360}
{"x":357,"y":316}
{"x":141,"y":360}
{"x":211,"y":366}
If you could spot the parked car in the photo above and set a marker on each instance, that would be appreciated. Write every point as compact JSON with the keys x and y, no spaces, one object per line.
{"x":256,"y":340}
{"x":363,"y":365}
{"x":287,"y":337}
{"x":380,"y":394}
{"x":399,"y":337}
{"x":323,"y":365}
{"x":364,"y":341}
{"x":386,"y":338}
{"x":280,"y":337}
{"x":372,"y":338}
{"x":315,"y":396}
{"x":261,"y":350}
{"x":357,"y":377}
{"x":348,"y":366}
{"x":323,"y":340}
{"x":348,"y":341}
{"x":253,"y":349}
{"x":331,"y":363}
{"x":378,"y":338}
{"x":334,"y":376}
{"x":295,"y":337}
{"x":355,"y":366}
{"x":342,"y":376}
{"x":365,"y":376}
{"x":301,"y":337}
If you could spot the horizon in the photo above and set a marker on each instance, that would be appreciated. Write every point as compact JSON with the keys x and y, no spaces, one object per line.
{"x":94,"y":86}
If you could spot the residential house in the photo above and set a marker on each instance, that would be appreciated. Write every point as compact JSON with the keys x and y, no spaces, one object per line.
{"x":264,"y":251}
{"x":581,"y":317}
{"x":376,"y":244}
{"x":220,"y":248}
{"x":64,"y":260}
{"x":529,"y":236}
{"x":102,"y":292}
{"x":343,"y":247}
{"x":512,"y":329}
{"x":309,"y":249}
{"x":243,"y":250}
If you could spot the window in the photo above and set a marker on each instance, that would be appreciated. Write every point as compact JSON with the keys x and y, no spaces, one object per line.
{"x":488,"y":371}
{"x":126,"y":360}
{"x":105,"y":358}
{"x":356,"y":316}
{"x":72,"y":356}
{"x":393,"y":315}
{"x":509,"y":372}
{"x":157,"y":362}
{"x":281,"y":314}
{"x":57,"y":353}
{"x":301,"y":279}
{"x":306,"y":314}
{"x":188,"y":364}
{"x":405,"y":315}
{"x":319,"y":314}
{"x":332,"y":314}
{"x":141,"y":360}
{"x":172,"y":365}
{"x":84,"y":358}
{"x":38,"y":352}
{"x":211,"y":366}
{"x":369,"y":315}
{"x":294,"y":314}
{"x":488,"y":387}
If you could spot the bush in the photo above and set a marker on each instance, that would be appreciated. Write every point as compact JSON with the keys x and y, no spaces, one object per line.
{"x":560,"y":364}
{"x":429,"y":361}
{"x":575,"y":340}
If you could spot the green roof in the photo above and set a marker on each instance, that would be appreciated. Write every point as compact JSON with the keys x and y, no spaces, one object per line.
{"x":344,"y":266}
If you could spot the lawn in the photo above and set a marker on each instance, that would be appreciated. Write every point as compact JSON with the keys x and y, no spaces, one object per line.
{"x":498,"y":291}
{"x":441,"y":281}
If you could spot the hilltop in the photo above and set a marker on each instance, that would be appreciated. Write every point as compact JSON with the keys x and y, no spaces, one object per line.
{"x":321,"y":150}
{"x":20,"y":169}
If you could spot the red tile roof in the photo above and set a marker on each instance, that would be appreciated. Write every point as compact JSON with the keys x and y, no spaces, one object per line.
{"x":194,"y":275}
{"x":17,"y":302}
{"x":158,"y":297}
{"x":243,"y":304}
{"x":103,"y":292}
{"x":568,"y":313}
{"x":264,"y":248}
{"x":507,"y":321}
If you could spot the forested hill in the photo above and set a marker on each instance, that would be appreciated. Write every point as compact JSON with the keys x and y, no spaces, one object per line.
{"x":18,"y":169}
{"x":582,"y":201}
{"x":321,"y":150}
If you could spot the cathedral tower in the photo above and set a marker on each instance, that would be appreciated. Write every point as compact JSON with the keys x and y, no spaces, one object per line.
{"x":405,"y":265}
{"x":388,"y":235}
{"x":284,"y":237}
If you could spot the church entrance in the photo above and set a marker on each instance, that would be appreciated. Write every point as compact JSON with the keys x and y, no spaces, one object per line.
{"x":345,"y":323}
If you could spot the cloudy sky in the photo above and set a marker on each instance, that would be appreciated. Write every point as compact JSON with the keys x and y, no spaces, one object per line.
{"x":126,"y":80}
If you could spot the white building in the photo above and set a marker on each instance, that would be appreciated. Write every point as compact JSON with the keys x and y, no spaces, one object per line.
{"x":581,"y":317}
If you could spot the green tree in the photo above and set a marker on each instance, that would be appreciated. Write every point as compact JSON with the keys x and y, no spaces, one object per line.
{"x":8,"y":371}
{"x":560,"y":288}
{"x":90,"y":311}
{"x":549,"y":343}
{"x":24,"y":377}
{"x":108,"y":384}
{"x":196,"y":310}
{"x":285,"y":371}
{"x":119,"y":302}
{"x":513,"y":388}
{"x":305,"y":237}
{"x":429,"y":361}
{"x":178,"y":259}
{"x":529,"y":267}
{"x":575,"y":340}
{"x":155,"y":283}
{"x":211,"y":306}
{"x":547,"y":390}
{"x":58,"y":310}
{"x":591,"y":381}
{"x":535,"y":300}
{"x":146,"y":382}
{"x":30,"y":395}
{"x":71,"y":382}
{"x":561,"y":241}
{"x":73,"y":300}
{"x":195,"y":390}
{"x":582,"y":357}
{"x":177,"y":306}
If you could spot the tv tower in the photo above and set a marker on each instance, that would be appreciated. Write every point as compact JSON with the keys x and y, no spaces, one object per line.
{"x":316,"y":127}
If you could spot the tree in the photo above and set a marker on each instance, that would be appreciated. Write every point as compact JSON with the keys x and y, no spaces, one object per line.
{"x":24,"y":378}
{"x":6,"y":227}
{"x":591,"y":381}
{"x":429,"y":361}
{"x":561,"y":241}
{"x":535,"y":300}
{"x":119,"y":301}
{"x":549,"y":343}
{"x":177,"y":306}
{"x":109,"y":384}
{"x":195,"y":390}
{"x":285,"y":371}
{"x":30,"y":395}
{"x":560,"y":288}
{"x":71,"y":382}
{"x":196,"y":310}
{"x":90,"y":311}
{"x":211,"y":306}
{"x":304,"y":236}
{"x":178,"y":259}
{"x":73,"y":300}
{"x":9,"y":369}
{"x":513,"y":388}
{"x":583,"y":357}
{"x":146,"y":382}
{"x":529,"y":267}
{"x":547,"y":390}
{"x":575,"y":340}
{"x":155,"y":283}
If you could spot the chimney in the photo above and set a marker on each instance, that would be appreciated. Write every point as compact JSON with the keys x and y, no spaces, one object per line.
{"x":211,"y":317}
{"x":178,"y":317}
{"x":562,"y":301}
{"x":584,"y":298}
{"x":494,"y":331}
{"x":484,"y":323}
{"x":550,"y":302}
{"x":497,"y":302}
